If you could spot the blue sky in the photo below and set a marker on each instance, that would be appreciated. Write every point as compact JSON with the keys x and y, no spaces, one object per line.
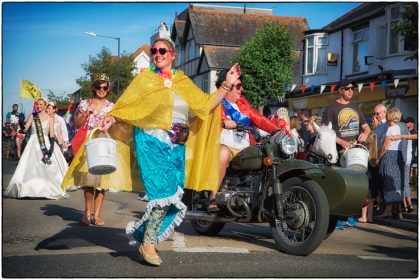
{"x":45,"y":42}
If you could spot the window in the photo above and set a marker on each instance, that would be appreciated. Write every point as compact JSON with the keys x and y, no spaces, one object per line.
{"x":360,"y":50}
{"x":316,"y":54}
{"x":393,"y":35}
{"x":396,"y":43}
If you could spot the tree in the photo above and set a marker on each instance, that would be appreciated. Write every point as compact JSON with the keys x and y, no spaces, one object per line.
{"x":62,"y":101}
{"x":407,"y":27}
{"x":105,"y":63}
{"x":266,"y":63}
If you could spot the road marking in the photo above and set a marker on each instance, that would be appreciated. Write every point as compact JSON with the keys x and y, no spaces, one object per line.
{"x":179,"y":245}
{"x":378,"y":258}
{"x":212,"y":250}
{"x":178,"y":240}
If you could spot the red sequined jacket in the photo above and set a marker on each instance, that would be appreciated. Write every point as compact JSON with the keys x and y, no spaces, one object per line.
{"x":256,"y":118}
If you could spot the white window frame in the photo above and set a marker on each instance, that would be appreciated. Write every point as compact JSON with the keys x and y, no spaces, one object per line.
{"x":400,"y":39}
{"x":363,"y":39}
{"x":314,"y":48}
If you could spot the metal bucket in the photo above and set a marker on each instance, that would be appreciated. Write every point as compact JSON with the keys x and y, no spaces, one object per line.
{"x":101,"y":154}
{"x":355,"y":158}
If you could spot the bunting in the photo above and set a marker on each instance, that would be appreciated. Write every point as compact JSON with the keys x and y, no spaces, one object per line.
{"x":312,"y":88}
{"x":322,"y":88}
{"x":359,"y":87}
{"x":396,"y":81}
{"x":372,"y":86}
{"x":383,"y":84}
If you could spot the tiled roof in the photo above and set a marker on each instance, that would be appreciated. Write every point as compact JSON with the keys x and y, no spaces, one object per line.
{"x":178,"y":29}
{"x":358,"y":15}
{"x":233,"y":29}
{"x":218,"y":56}
{"x":145,"y":48}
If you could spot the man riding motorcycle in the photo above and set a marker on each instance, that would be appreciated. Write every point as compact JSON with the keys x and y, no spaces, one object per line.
{"x":236,"y":109}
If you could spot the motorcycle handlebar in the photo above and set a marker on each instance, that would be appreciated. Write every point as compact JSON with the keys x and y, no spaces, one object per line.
{"x":242,"y":127}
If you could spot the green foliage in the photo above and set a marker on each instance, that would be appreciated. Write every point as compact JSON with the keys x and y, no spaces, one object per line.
{"x":407,"y":27}
{"x":62,"y":101}
{"x":266,"y":63}
{"x":104,"y":62}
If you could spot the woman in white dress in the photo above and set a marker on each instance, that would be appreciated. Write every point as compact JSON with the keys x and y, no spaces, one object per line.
{"x":40,"y":170}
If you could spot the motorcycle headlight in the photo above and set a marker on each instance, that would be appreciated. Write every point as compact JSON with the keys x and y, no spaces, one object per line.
{"x":287,"y":142}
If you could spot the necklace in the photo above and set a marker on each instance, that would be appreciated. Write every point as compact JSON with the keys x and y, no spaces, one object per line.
{"x":167,"y":76}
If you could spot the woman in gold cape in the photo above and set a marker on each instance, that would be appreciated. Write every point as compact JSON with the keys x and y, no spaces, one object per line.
{"x":145,"y":110}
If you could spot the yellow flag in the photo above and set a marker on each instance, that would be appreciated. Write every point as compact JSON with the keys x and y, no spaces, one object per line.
{"x":29,"y":90}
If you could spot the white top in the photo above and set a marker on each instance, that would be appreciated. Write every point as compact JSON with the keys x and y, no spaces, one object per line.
{"x":179,"y":115}
{"x":63,"y":127}
{"x":234,"y":139}
{"x":395,"y":145}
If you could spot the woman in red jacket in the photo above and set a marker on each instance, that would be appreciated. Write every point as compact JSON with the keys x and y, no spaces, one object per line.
{"x":236,"y":109}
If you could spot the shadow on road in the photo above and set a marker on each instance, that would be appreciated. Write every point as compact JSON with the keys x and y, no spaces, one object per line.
{"x":77,"y":235}
{"x":387,"y":234}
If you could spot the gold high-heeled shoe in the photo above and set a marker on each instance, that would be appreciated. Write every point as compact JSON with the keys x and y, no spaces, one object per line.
{"x":155,"y":260}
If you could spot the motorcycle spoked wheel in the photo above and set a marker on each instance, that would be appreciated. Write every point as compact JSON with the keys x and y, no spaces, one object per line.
{"x":305,"y":227}
{"x":198,"y":202}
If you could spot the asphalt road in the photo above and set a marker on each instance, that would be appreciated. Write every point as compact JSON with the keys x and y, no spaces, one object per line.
{"x":44,"y":238}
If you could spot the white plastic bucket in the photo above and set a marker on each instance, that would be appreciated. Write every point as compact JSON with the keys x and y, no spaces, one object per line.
{"x":356,"y":158}
{"x":101,"y":154}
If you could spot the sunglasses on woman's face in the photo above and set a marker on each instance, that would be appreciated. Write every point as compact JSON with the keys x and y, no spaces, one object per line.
{"x":162,"y":51}
{"x":238,"y":86}
{"x":102,"y":87}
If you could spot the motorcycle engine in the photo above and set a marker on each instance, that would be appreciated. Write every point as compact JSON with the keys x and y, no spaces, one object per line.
{"x":239,"y":194}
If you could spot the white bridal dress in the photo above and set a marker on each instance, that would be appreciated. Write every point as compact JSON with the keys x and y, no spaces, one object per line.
{"x":34,"y":178}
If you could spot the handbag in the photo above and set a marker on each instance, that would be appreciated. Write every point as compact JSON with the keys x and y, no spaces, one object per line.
{"x":179,"y":133}
{"x":80,"y":136}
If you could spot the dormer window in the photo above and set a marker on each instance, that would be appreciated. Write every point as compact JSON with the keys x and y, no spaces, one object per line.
{"x":316,"y":54}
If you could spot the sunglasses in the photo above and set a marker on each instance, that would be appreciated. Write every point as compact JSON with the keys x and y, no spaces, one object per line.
{"x":162,"y":51}
{"x":348,"y":88}
{"x":100,"y":87}
{"x":377,"y":113}
{"x":238,"y":86}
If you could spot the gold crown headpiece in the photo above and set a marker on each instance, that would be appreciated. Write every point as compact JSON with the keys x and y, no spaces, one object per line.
{"x":101,"y":77}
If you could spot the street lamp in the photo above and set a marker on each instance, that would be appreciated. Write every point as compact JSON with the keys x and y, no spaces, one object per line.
{"x":118,"y":62}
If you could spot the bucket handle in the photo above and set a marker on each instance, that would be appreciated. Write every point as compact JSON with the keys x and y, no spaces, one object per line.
{"x":94,"y":130}
{"x":357,"y":144}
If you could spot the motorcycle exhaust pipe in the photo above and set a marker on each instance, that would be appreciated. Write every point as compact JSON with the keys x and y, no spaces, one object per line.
{"x":203,"y":216}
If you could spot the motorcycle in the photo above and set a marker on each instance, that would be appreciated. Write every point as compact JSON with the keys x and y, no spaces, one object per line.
{"x":300,"y":200}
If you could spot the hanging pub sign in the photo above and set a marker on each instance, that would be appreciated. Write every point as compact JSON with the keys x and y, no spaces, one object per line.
{"x":391,"y":92}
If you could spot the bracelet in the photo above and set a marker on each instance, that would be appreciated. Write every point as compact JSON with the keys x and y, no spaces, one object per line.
{"x":226,"y":86}
{"x":403,"y":137}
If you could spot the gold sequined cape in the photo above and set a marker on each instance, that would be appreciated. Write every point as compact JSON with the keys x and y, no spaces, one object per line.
{"x":147,"y":103}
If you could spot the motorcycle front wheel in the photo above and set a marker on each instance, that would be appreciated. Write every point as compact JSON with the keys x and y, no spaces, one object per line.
{"x":199,"y":203}
{"x":306,"y":217}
